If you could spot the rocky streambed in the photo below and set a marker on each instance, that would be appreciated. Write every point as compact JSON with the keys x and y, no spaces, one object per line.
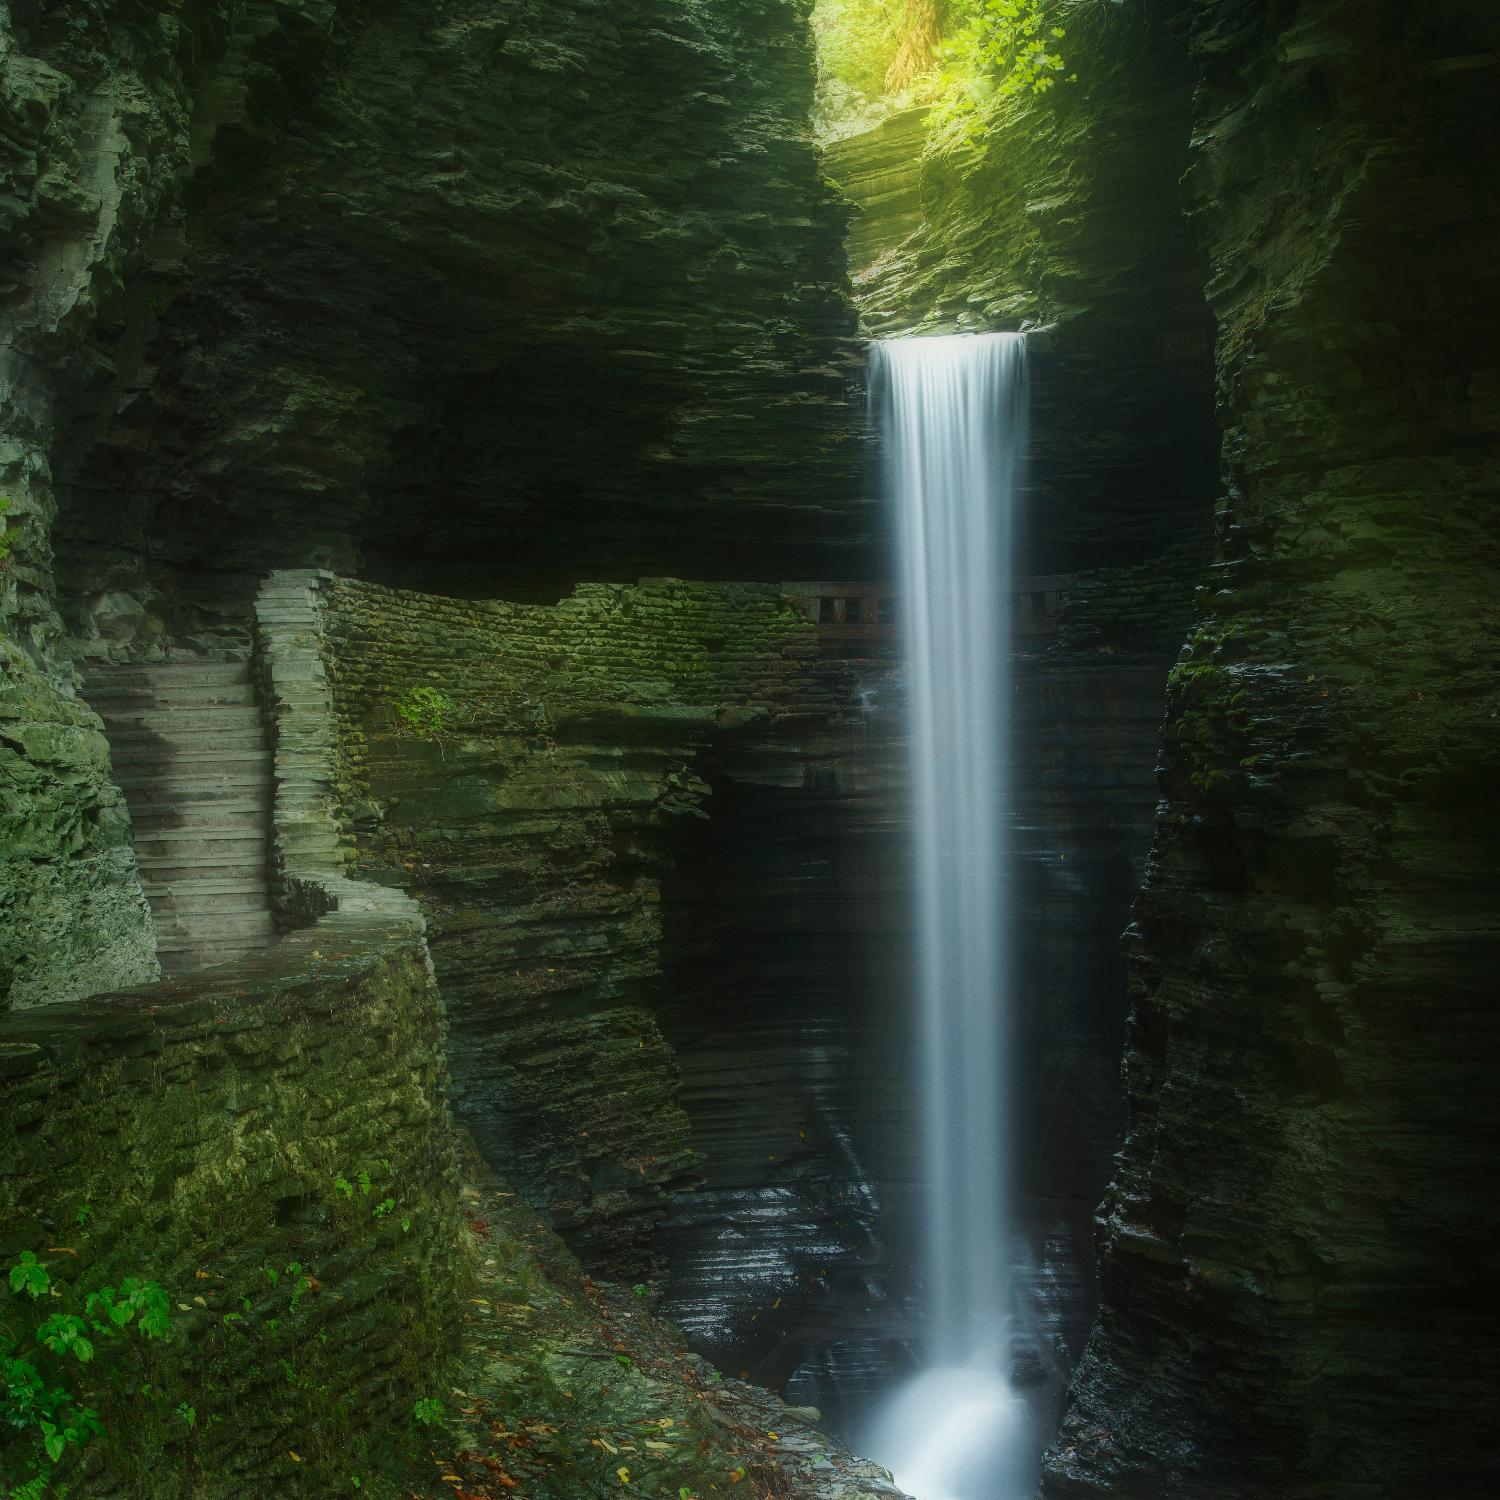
{"x":571,"y":1387}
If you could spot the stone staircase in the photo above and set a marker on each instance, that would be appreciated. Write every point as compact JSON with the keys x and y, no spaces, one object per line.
{"x":189,"y":748}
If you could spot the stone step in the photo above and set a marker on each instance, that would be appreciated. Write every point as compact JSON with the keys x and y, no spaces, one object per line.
{"x":111,"y":702}
{"x":198,"y":906}
{"x":178,"y":962}
{"x":206,"y":755}
{"x":173,"y":933}
{"x":250,"y":883}
{"x":189,"y":788}
{"x":181,"y":876}
{"x":179,"y":722}
{"x":231,"y":887}
{"x":188,"y":812}
{"x":195,"y":960}
{"x":173,"y":673}
{"x":192,"y":853}
{"x":138,"y":744}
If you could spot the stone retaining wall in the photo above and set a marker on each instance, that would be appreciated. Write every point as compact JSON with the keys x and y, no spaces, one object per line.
{"x":196,"y":1135}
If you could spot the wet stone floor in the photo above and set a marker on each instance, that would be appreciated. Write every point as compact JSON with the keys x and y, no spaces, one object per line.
{"x":571,"y":1389}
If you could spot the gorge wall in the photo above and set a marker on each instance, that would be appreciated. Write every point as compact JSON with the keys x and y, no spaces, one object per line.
{"x":270,"y":267}
{"x":488,"y":298}
{"x":531,"y":809}
{"x":1063,"y":217}
{"x":1294,"y":1250}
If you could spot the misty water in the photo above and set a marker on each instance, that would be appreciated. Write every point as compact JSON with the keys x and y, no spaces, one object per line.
{"x":952,"y":416}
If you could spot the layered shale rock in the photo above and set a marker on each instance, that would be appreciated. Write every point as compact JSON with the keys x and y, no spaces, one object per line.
{"x":1063,"y":216}
{"x":520,"y":770}
{"x":1296,"y":1251}
{"x":73,"y":918}
{"x":581,"y":262}
{"x":267,"y":269}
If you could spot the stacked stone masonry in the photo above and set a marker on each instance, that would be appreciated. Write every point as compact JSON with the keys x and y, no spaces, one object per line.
{"x":195,"y":1135}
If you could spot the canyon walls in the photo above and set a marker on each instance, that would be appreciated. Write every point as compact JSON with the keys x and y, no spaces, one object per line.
{"x":1294,"y":1250}
{"x":1063,"y":216}
{"x":580,"y":262}
{"x":521,"y":770}
{"x":270,"y":268}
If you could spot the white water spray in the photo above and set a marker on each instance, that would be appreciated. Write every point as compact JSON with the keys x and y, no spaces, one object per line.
{"x":952,"y":412}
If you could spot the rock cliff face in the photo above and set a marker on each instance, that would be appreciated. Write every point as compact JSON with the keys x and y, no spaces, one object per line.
{"x":270,"y":268}
{"x":332,"y":246}
{"x":530,"y":803}
{"x":788,"y":1000}
{"x":1064,"y":217}
{"x":1295,"y":1253}
{"x":488,"y":297}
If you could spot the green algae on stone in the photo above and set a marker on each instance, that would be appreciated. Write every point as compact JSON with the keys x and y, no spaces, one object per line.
{"x":273,"y":1149}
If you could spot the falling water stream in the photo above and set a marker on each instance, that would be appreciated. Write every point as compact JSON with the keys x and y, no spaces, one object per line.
{"x":952,"y":414}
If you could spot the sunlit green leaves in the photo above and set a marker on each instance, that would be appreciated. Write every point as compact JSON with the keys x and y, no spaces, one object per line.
{"x":63,"y":1333}
{"x":30,"y":1276}
{"x":972,"y":53}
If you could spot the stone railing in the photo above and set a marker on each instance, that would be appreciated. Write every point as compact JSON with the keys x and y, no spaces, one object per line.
{"x":310,"y":853}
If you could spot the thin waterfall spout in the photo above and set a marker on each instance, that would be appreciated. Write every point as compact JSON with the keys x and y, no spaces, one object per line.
{"x":952,"y":413}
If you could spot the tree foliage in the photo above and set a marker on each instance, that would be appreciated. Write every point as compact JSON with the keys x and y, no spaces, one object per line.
{"x":960,"y":56}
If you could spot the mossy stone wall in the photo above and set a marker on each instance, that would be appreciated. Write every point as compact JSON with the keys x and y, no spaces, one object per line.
{"x":196,"y":1134}
{"x":532,"y":824}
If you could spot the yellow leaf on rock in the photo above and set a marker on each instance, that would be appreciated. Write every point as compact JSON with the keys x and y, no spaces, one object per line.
{"x":624,"y":1474}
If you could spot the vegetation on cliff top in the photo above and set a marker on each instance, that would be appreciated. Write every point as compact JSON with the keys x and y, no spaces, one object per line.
{"x":961,"y":57}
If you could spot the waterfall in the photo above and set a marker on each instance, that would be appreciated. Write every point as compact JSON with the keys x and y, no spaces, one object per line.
{"x":952,"y":415}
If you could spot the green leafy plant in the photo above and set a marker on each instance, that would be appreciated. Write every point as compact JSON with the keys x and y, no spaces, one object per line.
{"x":995,"y":49}
{"x":65,"y":1333}
{"x":39,"y":1402}
{"x":142,"y":1302}
{"x":424,"y":711}
{"x":428,"y":1411}
{"x":640,"y":1289}
{"x":958,"y":56}
{"x":30,"y":1276}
